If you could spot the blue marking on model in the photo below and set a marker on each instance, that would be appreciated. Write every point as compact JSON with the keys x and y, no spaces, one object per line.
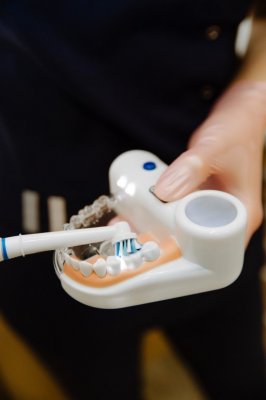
{"x":149,"y":165}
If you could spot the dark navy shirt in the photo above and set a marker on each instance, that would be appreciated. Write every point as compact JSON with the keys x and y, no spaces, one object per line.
{"x":82,"y":81}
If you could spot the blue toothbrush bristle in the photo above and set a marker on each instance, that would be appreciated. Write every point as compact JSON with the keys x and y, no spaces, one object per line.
{"x":117,"y":248}
{"x":126,"y":247}
{"x":133,"y":246}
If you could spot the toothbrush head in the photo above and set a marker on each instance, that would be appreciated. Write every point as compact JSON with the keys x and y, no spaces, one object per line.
{"x":123,"y":252}
{"x":125,"y":245}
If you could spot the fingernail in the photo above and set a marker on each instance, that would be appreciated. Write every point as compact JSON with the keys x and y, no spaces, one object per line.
{"x":173,"y":184}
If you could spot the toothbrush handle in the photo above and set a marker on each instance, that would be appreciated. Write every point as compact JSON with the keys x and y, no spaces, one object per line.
{"x":21,"y":245}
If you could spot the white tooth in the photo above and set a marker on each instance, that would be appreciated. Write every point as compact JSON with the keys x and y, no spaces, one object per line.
{"x":134,"y":260}
{"x":76,"y":220}
{"x":150,"y":251}
{"x":85,"y":268}
{"x":72,"y":261}
{"x":114,"y":265}
{"x":67,"y":258}
{"x":100,"y":268}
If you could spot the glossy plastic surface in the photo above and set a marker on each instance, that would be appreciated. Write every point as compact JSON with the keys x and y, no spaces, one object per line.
{"x":209,"y":227}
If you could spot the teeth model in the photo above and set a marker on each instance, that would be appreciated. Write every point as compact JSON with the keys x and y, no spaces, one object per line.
{"x":150,"y":251}
{"x":113,"y":265}
{"x":100,"y":268}
{"x":123,"y":252}
{"x":75,"y":264}
{"x":85,"y":268}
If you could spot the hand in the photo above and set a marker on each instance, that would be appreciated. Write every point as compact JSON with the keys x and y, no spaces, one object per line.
{"x":225,"y":152}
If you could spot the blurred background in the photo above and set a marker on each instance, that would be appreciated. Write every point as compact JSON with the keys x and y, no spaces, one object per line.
{"x":165,"y":376}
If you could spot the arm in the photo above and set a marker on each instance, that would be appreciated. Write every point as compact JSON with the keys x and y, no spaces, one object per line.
{"x":254,"y":65}
{"x":225,"y":151}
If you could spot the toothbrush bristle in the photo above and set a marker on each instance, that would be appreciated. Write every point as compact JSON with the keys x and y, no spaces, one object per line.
{"x":124,"y":247}
{"x":129,"y":249}
{"x":117,"y":249}
{"x":133,"y":246}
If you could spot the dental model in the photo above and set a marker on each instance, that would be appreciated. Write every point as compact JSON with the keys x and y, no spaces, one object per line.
{"x":128,"y":252}
{"x":192,"y":245}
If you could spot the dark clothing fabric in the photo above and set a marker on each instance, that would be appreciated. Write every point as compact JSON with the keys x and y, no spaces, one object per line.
{"x":79,"y":84}
{"x":107,"y":76}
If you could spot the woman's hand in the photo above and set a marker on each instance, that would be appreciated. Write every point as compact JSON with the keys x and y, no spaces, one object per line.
{"x":225,"y":152}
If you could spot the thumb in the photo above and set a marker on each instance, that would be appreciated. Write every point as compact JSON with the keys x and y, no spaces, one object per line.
{"x":184,"y":175}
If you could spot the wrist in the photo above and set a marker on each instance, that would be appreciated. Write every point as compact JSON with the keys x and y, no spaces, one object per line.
{"x":249,"y":95}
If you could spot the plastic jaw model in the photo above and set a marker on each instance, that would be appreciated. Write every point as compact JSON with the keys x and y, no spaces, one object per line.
{"x":193,"y":245}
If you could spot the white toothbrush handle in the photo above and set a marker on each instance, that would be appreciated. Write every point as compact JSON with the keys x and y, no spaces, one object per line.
{"x":22,"y":245}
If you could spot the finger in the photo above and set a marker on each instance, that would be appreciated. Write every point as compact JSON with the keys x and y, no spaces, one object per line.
{"x":254,"y":217}
{"x":183,"y":176}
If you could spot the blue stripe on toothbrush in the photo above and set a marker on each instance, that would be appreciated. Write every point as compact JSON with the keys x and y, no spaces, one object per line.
{"x":4,"y":251}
